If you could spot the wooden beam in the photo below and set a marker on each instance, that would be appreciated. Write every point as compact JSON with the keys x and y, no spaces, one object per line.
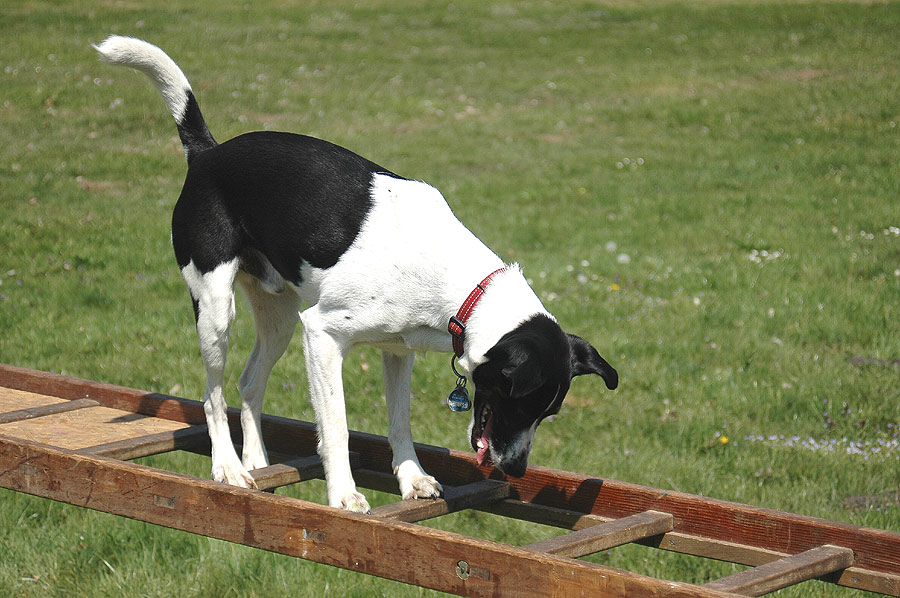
{"x":731,"y":552}
{"x":288,"y":472}
{"x":32,"y":412}
{"x":704,"y":524}
{"x":405,"y":552}
{"x":785,"y":572}
{"x":192,"y":437}
{"x":606,"y":535}
{"x":455,"y":499}
{"x":292,"y":471}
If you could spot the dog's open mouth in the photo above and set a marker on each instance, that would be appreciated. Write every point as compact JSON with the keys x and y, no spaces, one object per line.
{"x":481,"y":432}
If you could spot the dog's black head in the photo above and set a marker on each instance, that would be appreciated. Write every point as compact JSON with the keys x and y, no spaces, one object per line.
{"x":525,"y":378}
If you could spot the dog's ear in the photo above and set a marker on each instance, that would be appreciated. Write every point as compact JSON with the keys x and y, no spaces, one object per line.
{"x":586,"y":360}
{"x":524,"y":376}
{"x":509,"y":367}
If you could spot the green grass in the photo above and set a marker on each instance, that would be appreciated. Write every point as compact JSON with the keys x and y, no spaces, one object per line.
{"x":693,"y":137}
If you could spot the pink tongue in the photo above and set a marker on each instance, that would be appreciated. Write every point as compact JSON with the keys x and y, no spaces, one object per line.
{"x":482,"y":452}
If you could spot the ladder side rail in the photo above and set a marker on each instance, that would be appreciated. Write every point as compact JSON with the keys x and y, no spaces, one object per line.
{"x":876,"y":550}
{"x":405,"y":552}
{"x":721,"y":550}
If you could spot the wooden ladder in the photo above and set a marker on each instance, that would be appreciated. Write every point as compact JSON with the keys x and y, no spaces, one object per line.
{"x":71,"y":440}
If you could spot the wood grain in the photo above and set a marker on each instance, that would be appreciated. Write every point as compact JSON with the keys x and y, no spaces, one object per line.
{"x":786,"y":571}
{"x":82,"y":428}
{"x":292,"y":471}
{"x":12,"y":399}
{"x":402,"y":551}
{"x":48,"y":409}
{"x":703,"y":526}
{"x":454,"y":499}
{"x":606,"y":535}
{"x":154,"y":443}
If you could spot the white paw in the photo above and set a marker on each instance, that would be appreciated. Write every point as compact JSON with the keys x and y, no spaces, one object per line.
{"x":420,"y":486}
{"x":355,"y":502}
{"x":233,"y":474}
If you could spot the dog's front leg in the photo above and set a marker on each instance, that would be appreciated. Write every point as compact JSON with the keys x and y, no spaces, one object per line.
{"x":414,"y":482}
{"x":324,"y":358}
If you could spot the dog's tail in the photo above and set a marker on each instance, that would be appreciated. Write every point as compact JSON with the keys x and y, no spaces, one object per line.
{"x":171,"y":83}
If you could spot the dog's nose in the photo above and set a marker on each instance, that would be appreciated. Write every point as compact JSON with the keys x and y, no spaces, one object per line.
{"x":514,"y":467}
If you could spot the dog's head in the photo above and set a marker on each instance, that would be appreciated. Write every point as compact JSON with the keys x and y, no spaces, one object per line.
{"x":524,"y":379}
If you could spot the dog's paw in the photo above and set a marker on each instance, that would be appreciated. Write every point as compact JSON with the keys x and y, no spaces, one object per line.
{"x":355,"y":502}
{"x":420,"y":486}
{"x":234,"y":475}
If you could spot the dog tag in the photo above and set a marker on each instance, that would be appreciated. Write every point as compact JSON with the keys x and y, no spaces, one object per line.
{"x":459,"y":399}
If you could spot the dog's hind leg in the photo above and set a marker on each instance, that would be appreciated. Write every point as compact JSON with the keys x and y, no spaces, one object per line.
{"x":275,"y":316}
{"x":324,"y":355}
{"x":213,"y":294}
{"x":414,"y":482}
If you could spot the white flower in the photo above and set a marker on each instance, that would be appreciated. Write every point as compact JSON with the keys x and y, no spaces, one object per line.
{"x":758,"y":256}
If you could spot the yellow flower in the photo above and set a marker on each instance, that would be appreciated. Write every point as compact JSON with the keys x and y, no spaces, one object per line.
{"x":613,"y":287}
{"x":723,"y":439}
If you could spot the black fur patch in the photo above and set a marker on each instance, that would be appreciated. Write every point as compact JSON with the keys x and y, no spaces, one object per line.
{"x":527,"y":373}
{"x":524,"y":380}
{"x":292,"y":198}
{"x":192,"y":129}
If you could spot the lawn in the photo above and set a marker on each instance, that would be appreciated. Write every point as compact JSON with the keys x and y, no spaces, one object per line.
{"x":708,"y":192}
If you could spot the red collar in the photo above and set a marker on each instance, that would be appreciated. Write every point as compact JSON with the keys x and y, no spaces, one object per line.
{"x":457,"y":325}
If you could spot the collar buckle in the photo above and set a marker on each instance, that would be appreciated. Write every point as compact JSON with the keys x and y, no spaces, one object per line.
{"x":457,"y":330}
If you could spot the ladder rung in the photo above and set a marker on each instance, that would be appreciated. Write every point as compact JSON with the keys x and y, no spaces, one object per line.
{"x":32,"y":412}
{"x":455,"y":499}
{"x":606,"y":535}
{"x":151,"y":444}
{"x":288,"y":472}
{"x":294,"y":470}
{"x":785,"y":572}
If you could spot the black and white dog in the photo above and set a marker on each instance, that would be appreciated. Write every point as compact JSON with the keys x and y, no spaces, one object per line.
{"x":377,"y":259}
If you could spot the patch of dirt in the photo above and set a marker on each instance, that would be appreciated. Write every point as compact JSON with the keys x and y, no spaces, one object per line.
{"x":878,"y":501}
{"x":802,"y":74}
{"x":861,"y":361}
{"x":89,"y":185}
